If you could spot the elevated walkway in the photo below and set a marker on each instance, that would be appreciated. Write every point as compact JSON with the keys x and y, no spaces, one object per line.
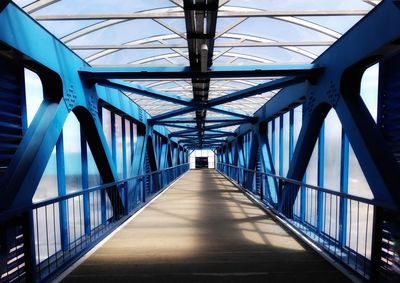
{"x":203,"y":229}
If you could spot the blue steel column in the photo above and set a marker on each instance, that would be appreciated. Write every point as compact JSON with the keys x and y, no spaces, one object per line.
{"x":344,"y":179}
{"x":85,"y":183}
{"x":62,"y":190}
{"x":267,"y":162}
{"x":280,"y":145}
{"x":136,"y":187}
{"x":320,"y":197}
{"x":251,"y":160}
{"x":273,"y":147}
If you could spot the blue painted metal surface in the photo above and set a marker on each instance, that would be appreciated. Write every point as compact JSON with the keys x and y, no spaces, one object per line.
{"x":207,"y":120}
{"x":338,"y":87}
{"x":258,"y":89}
{"x":72,"y":87}
{"x":101,"y":73}
{"x":148,"y":92}
{"x":66,"y":94}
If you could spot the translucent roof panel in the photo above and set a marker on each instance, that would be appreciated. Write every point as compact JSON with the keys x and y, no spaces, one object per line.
{"x":153,"y":33}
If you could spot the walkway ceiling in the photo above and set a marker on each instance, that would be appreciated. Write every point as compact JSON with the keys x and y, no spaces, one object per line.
{"x":209,"y":64}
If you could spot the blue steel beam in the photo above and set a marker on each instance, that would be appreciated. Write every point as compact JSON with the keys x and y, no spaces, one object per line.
{"x":28,"y":163}
{"x":144,"y":91}
{"x":267,"y":163}
{"x":205,"y":137}
{"x":201,"y":141}
{"x":202,"y":144}
{"x":353,"y":53}
{"x":193,"y":120}
{"x":58,"y":67}
{"x":251,"y":161}
{"x":152,"y":93}
{"x":230,"y":112}
{"x":206,"y":128}
{"x":272,"y":70}
{"x":254,"y":90}
{"x":226,"y":133}
{"x":174,"y":113}
{"x":181,"y":126}
{"x":206,"y":134}
{"x":189,"y":109}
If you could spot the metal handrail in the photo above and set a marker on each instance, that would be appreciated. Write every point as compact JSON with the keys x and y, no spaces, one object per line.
{"x":72,"y":224}
{"x":329,"y":219}
{"x":12,"y":212}
{"x":299,"y":183}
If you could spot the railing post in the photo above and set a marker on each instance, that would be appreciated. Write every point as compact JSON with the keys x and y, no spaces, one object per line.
{"x":279,"y":195}
{"x":143,"y":179}
{"x":262,"y":187}
{"x":126,"y":196}
{"x":29,"y":246}
{"x":103,"y":206}
{"x":376,"y":248}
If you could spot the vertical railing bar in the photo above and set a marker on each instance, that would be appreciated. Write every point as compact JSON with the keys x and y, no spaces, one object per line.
{"x":376,"y":248}
{"x":366,"y":240}
{"x":74,"y":219}
{"x":358,"y":229}
{"x":335,"y":239}
{"x":38,"y":243}
{"x":47,"y":239}
{"x":80,"y":223}
{"x":351,"y":224}
{"x":342,"y":243}
{"x":54,"y":235}
{"x":15,"y":251}
{"x":69,"y":228}
{"x":330,"y":220}
{"x":336,"y":221}
{"x":92,"y":215}
{"x":323,"y":219}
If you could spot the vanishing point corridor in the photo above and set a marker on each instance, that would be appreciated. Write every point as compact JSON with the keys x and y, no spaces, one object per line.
{"x":203,"y":229}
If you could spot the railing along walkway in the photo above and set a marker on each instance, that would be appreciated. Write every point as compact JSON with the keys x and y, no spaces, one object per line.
{"x":203,"y":229}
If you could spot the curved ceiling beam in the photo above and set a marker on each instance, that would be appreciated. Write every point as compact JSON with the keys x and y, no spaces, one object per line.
{"x":154,"y":58}
{"x":372,"y":2}
{"x":248,"y":57}
{"x":106,"y":52}
{"x":268,"y":42}
{"x":166,"y":45}
{"x":310,"y":25}
{"x":104,"y":24}
{"x":177,"y":13}
{"x":289,"y":47}
{"x":288,"y":17}
{"x":89,"y":29}
{"x":172,"y":55}
{"x":37,"y":5}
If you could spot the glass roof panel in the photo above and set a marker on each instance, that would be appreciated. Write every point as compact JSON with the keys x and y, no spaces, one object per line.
{"x":63,"y":28}
{"x":338,"y":23}
{"x":294,"y":5}
{"x":129,"y":56}
{"x":102,"y":6}
{"x":274,"y":54}
{"x":279,"y":30}
{"x":123,"y":32}
{"x":23,"y":3}
{"x":153,"y":33}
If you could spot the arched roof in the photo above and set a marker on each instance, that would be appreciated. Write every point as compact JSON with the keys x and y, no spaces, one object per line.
{"x":155,"y":33}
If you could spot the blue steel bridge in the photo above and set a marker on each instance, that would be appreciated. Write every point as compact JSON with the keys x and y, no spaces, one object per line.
{"x":108,"y":109}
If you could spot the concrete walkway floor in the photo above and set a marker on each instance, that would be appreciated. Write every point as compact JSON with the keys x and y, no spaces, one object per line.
{"x":203,"y":229}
